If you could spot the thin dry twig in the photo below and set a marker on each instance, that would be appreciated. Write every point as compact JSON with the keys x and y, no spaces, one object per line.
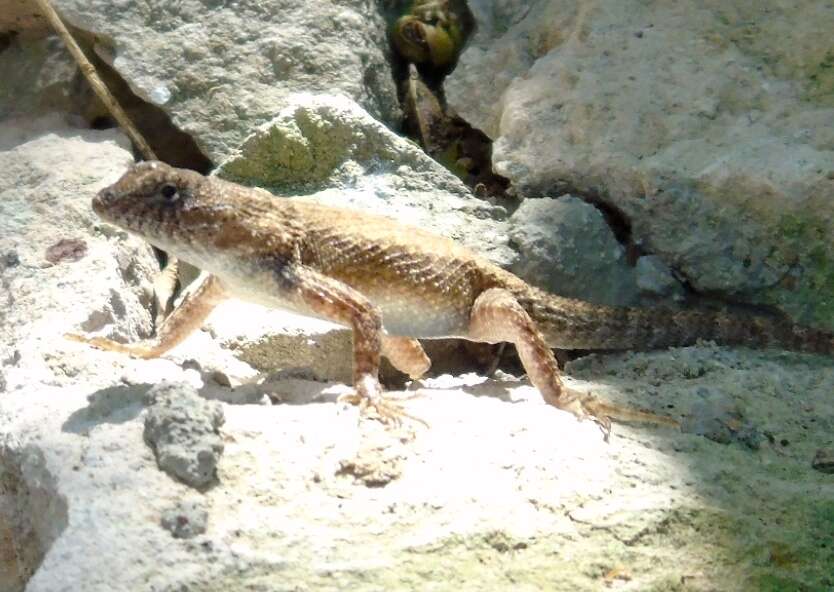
{"x":96,"y":82}
{"x":164,"y":289}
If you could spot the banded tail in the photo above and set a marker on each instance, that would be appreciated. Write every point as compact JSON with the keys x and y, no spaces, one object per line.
{"x":573,"y":324}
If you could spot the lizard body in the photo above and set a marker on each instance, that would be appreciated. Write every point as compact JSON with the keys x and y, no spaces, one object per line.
{"x":391,"y":284}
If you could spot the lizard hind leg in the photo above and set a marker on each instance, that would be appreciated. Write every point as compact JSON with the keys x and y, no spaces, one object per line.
{"x":497,"y":316}
{"x":406,"y":355}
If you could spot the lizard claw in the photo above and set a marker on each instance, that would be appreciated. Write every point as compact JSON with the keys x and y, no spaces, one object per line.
{"x":589,"y":407}
{"x":595,"y":411}
{"x":368,"y":396}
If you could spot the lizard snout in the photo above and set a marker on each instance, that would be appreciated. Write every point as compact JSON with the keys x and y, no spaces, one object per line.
{"x":105,"y":196}
{"x":103,"y":199}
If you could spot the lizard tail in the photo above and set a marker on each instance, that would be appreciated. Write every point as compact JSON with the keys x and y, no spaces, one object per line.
{"x":572,"y":324}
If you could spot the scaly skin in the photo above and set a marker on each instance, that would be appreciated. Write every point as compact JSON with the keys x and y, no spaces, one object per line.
{"x":391,"y":284}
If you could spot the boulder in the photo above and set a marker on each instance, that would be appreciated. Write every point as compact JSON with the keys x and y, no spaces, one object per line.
{"x":709,"y":126}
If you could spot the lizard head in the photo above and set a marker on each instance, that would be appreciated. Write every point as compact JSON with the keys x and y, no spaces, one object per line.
{"x":150,"y":200}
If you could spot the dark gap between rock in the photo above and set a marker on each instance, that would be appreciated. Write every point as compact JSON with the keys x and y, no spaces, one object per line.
{"x":445,"y":136}
{"x":6,"y":38}
{"x":170,"y":144}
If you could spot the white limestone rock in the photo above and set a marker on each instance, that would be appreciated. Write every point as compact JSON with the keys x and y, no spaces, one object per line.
{"x":309,"y":494}
{"x":98,"y":280}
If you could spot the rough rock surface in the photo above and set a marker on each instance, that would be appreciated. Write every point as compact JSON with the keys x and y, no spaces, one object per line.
{"x":709,"y":125}
{"x":566,"y":247}
{"x":219,"y":70}
{"x":48,"y":174}
{"x":654,"y":277}
{"x":37,"y":75}
{"x":20,"y":17}
{"x":186,"y":519}
{"x":312,"y":496}
{"x":329,"y":148}
{"x":182,"y":429}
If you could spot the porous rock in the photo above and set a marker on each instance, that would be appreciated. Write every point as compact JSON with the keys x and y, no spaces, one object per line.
{"x":498,"y":478}
{"x":48,"y":175}
{"x":185,"y":519}
{"x":182,"y":428}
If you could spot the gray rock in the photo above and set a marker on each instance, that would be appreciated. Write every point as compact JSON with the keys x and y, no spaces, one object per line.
{"x":182,"y":428}
{"x":186,"y":519}
{"x":566,"y":247}
{"x":655,"y":278}
{"x":710,"y":128}
{"x":494,"y":57}
{"x":37,"y":78}
{"x":330,"y":149}
{"x":494,"y":488}
{"x":220,"y":69}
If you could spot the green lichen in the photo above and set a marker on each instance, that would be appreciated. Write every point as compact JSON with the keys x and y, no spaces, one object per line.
{"x":290,"y":161}
{"x":820,"y":86}
{"x":807,"y":244}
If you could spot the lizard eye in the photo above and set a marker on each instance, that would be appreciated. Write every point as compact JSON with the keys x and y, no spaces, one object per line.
{"x":169,"y":192}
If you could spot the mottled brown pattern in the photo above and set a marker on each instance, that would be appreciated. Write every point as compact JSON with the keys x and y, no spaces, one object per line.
{"x":391,"y":283}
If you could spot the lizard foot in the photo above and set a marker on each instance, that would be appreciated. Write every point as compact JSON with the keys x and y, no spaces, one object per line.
{"x":102,"y":343}
{"x":586,"y":406}
{"x":370,"y":399}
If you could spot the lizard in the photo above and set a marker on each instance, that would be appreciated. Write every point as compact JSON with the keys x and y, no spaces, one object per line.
{"x":392,"y":284}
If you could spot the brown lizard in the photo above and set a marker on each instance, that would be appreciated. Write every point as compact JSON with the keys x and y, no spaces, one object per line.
{"x":391,"y":284}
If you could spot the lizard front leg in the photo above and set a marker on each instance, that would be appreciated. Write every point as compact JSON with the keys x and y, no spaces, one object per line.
{"x":338,"y":302}
{"x":183,"y":321}
{"x":497,"y":316}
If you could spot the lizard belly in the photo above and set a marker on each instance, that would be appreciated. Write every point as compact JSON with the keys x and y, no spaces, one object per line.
{"x":405,"y":312}
{"x":414,"y":315}
{"x":246,"y":280}
{"x":420,"y":321}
